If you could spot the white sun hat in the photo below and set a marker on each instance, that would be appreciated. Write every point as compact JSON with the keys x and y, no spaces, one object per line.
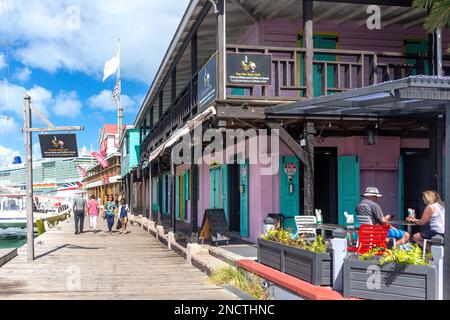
{"x":372,"y":192}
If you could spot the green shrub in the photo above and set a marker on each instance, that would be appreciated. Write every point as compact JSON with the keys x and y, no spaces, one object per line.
{"x":398,"y":256}
{"x":285,"y":237}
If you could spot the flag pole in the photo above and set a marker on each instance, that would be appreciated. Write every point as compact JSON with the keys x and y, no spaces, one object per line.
{"x":119,"y":105}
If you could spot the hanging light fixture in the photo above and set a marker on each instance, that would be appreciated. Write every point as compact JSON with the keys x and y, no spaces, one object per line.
{"x":372,"y":132}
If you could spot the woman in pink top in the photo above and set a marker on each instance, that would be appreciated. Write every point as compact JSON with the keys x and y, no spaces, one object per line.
{"x":93,"y":213}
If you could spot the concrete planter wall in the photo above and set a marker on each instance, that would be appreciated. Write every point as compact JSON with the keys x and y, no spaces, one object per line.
{"x":308,"y":266}
{"x":368,"y":280}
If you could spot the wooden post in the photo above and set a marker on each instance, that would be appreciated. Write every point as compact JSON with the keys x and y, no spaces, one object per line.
{"x":440,"y":134}
{"x":193,"y":186}
{"x":309,"y":169}
{"x":432,"y":153}
{"x":447,"y":212}
{"x":159,"y":192}
{"x":221,"y":50}
{"x":308,"y":44}
{"x":29,"y":180}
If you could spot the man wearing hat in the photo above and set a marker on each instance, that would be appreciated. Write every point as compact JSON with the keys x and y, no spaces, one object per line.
{"x":369,"y":207}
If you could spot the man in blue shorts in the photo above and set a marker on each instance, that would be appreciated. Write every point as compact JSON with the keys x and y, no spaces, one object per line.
{"x":369,"y":207}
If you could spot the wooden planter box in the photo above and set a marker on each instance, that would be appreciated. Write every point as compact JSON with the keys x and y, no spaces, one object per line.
{"x":397,"y":282}
{"x":311,"y":267}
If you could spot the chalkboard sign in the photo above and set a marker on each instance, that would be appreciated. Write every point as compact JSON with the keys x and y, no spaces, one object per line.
{"x":214,"y":226}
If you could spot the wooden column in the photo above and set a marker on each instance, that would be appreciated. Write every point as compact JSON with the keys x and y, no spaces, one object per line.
{"x":308,"y":44}
{"x":440,"y":134}
{"x":447,"y":212}
{"x":309,"y":169}
{"x":221,"y":50}
{"x":432,"y":154}
{"x":193,"y":195}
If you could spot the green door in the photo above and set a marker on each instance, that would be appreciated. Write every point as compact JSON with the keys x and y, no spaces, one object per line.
{"x":214,"y":187}
{"x":164,"y":194}
{"x":289,"y":190}
{"x":155,"y":192}
{"x":401,"y":189}
{"x":418,"y":47}
{"x":321,"y":42}
{"x":177,"y":197}
{"x":348,"y":186}
{"x":186,"y":193}
{"x":244,"y":194}
{"x":224,"y":173}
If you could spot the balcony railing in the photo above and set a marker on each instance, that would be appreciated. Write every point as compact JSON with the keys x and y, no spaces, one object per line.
{"x":175,"y":116}
{"x":334,"y":71}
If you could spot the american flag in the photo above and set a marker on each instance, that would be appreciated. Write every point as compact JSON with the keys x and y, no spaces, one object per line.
{"x":116,"y":92}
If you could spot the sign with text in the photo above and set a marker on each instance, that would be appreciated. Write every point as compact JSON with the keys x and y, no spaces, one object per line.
{"x":214,"y":226}
{"x":58,"y":145}
{"x":249,"y":69}
{"x":207,"y":82}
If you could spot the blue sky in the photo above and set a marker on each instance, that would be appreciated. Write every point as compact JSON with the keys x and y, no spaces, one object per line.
{"x":55,"y":51}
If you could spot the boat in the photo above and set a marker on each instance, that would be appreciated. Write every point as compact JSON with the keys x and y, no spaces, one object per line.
{"x":13,"y":210}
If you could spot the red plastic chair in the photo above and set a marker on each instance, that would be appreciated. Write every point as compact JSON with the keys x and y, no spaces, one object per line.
{"x":370,"y":237}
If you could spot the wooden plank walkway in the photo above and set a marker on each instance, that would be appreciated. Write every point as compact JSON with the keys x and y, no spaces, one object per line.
{"x":103,"y":266}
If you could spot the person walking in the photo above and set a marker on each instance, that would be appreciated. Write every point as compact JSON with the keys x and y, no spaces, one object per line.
{"x":124,"y":213}
{"x":93,"y":213}
{"x":110,"y":211}
{"x":79,"y":208}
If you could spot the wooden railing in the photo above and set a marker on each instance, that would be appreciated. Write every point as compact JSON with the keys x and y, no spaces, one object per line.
{"x":175,"y":116}
{"x":334,"y":71}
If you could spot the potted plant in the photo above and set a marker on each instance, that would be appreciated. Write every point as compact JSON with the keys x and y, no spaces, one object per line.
{"x":392,"y":274}
{"x":308,"y":261}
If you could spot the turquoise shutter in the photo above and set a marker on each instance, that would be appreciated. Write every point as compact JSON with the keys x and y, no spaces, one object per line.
{"x":289,"y":202}
{"x":244,"y":216}
{"x":214,"y":187}
{"x":224,"y":171}
{"x":164,"y":194}
{"x":401,"y":189}
{"x":177,"y":197}
{"x":348,"y":186}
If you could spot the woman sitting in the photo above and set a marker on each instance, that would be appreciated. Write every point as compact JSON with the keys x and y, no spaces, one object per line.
{"x":433,"y":217}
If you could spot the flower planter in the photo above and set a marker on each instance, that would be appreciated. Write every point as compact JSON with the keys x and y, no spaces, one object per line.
{"x":308,"y":266}
{"x":368,"y":280}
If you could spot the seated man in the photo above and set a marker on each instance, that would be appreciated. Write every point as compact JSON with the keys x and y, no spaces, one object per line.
{"x":369,"y":207}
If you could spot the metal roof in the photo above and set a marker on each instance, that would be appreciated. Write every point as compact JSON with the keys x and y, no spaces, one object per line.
{"x":415,"y":95}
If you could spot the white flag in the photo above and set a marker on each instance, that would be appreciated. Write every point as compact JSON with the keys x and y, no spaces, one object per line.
{"x":112,"y":65}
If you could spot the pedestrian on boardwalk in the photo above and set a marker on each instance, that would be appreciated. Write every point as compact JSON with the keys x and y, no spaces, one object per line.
{"x":124,"y":213}
{"x":79,"y":208}
{"x":93,"y":213}
{"x":110,"y":211}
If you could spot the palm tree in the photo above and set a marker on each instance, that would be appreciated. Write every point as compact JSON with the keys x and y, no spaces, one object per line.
{"x":438,"y":13}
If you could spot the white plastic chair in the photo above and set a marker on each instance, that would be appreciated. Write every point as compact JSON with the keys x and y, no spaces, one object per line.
{"x":304,"y":226}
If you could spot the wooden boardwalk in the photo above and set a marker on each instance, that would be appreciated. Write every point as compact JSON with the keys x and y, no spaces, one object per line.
{"x":103,"y":266}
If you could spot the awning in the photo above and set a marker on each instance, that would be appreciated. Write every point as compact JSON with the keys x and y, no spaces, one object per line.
{"x":178,"y":134}
{"x":416,"y":95}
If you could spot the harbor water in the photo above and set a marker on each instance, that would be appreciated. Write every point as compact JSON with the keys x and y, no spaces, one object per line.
{"x":11,"y":238}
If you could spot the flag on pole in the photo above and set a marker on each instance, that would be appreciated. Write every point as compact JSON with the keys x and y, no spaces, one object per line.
{"x":117,"y":91}
{"x":82,"y":171}
{"x":112,"y":65}
{"x":102,"y":161}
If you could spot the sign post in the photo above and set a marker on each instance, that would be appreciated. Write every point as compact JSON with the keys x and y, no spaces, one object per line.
{"x":28,"y":131}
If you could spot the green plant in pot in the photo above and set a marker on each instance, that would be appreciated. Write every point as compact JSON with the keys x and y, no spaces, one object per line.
{"x":285,"y":237}
{"x":414,"y":256}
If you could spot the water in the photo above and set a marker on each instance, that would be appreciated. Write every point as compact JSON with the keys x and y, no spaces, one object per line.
{"x":11,"y":238}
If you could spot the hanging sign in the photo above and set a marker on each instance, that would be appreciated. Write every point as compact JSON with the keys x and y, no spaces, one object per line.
{"x":58,"y":145}
{"x":249,"y":69}
{"x":290,"y":169}
{"x":102,"y":161}
{"x":207,"y":82}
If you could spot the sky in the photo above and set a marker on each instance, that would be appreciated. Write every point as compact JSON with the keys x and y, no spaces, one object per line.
{"x":55,"y":52}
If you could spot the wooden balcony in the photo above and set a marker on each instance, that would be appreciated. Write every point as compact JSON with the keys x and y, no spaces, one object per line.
{"x":334,"y":71}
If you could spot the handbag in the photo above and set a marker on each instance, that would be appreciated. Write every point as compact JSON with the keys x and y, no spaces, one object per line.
{"x":119,"y":224}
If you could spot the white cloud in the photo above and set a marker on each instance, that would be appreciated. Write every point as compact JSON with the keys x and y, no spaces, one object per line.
{"x":104,"y":101}
{"x":7,"y":156}
{"x":67,"y":104}
{"x":8,"y":126}
{"x":11,"y":98}
{"x":22,"y":74}
{"x":2,"y":61}
{"x":60,"y":35}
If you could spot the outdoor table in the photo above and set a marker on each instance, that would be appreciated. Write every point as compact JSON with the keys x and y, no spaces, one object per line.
{"x":408,"y":225}
{"x":323,"y":227}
